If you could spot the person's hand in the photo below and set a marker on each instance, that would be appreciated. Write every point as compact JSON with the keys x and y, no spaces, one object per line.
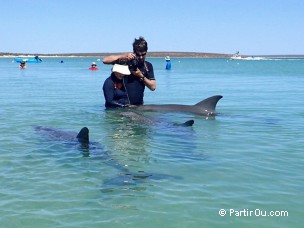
{"x":137,"y":73}
{"x":130,"y":56}
{"x":131,"y":106}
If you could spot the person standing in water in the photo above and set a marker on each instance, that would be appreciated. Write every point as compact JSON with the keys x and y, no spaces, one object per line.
{"x":22,"y":65}
{"x":168,"y":65}
{"x":114,"y":88}
{"x":142,"y":73}
{"x":93,"y":66}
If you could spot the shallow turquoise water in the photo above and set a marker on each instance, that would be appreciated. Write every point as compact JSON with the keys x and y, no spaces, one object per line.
{"x":248,"y":158}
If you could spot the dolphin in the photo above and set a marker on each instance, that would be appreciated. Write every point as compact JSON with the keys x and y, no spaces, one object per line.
{"x":82,"y":138}
{"x":146,"y":120}
{"x":205,"y":107}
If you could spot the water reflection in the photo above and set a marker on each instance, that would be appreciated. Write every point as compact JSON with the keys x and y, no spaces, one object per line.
{"x":129,"y":141}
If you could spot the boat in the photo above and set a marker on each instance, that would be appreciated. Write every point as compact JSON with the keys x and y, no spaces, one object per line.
{"x":237,"y":56}
{"x":36,"y":59}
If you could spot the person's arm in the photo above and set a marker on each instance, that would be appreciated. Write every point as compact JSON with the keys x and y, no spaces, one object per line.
{"x":151,"y":84}
{"x":111,"y":59}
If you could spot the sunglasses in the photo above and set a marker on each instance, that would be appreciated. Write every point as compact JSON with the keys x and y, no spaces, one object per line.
{"x":140,"y":55}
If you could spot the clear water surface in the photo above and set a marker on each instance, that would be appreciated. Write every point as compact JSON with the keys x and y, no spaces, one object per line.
{"x":248,"y":160}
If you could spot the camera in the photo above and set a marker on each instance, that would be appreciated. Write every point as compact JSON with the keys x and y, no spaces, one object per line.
{"x":133,"y":64}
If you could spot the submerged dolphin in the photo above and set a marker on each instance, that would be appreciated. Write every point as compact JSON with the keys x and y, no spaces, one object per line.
{"x":82,"y":139}
{"x":205,"y":107}
{"x":144,"y":119}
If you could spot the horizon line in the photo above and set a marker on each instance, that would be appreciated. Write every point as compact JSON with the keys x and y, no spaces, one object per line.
{"x":149,"y":54}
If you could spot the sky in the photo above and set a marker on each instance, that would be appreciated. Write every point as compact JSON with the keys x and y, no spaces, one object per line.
{"x":253,"y":27}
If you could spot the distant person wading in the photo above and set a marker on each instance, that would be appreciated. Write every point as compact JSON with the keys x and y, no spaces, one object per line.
{"x":22,"y":65}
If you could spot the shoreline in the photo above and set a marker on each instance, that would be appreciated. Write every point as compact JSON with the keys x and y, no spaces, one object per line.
{"x":149,"y":55}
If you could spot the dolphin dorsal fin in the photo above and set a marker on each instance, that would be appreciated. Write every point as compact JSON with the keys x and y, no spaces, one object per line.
{"x":209,"y":103}
{"x":83,"y":135}
{"x":188,"y":123}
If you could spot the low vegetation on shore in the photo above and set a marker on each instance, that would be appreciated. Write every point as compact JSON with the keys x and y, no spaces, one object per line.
{"x":149,"y":54}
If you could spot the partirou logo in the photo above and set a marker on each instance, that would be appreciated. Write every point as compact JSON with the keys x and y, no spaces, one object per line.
{"x":257,"y":212}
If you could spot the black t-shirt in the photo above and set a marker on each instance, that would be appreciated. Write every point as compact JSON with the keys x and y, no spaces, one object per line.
{"x":134,"y":87}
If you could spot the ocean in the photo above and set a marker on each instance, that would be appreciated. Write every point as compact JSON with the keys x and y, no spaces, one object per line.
{"x":241,"y":168}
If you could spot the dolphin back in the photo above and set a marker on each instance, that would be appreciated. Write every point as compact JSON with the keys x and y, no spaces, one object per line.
{"x":208,"y":105}
{"x":204,"y":107}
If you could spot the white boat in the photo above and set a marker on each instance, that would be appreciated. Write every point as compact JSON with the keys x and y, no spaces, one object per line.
{"x":237,"y":56}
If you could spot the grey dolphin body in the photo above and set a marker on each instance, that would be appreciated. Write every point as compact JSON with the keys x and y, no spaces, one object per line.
{"x":82,"y":139}
{"x":139,"y":118}
{"x":205,"y":107}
